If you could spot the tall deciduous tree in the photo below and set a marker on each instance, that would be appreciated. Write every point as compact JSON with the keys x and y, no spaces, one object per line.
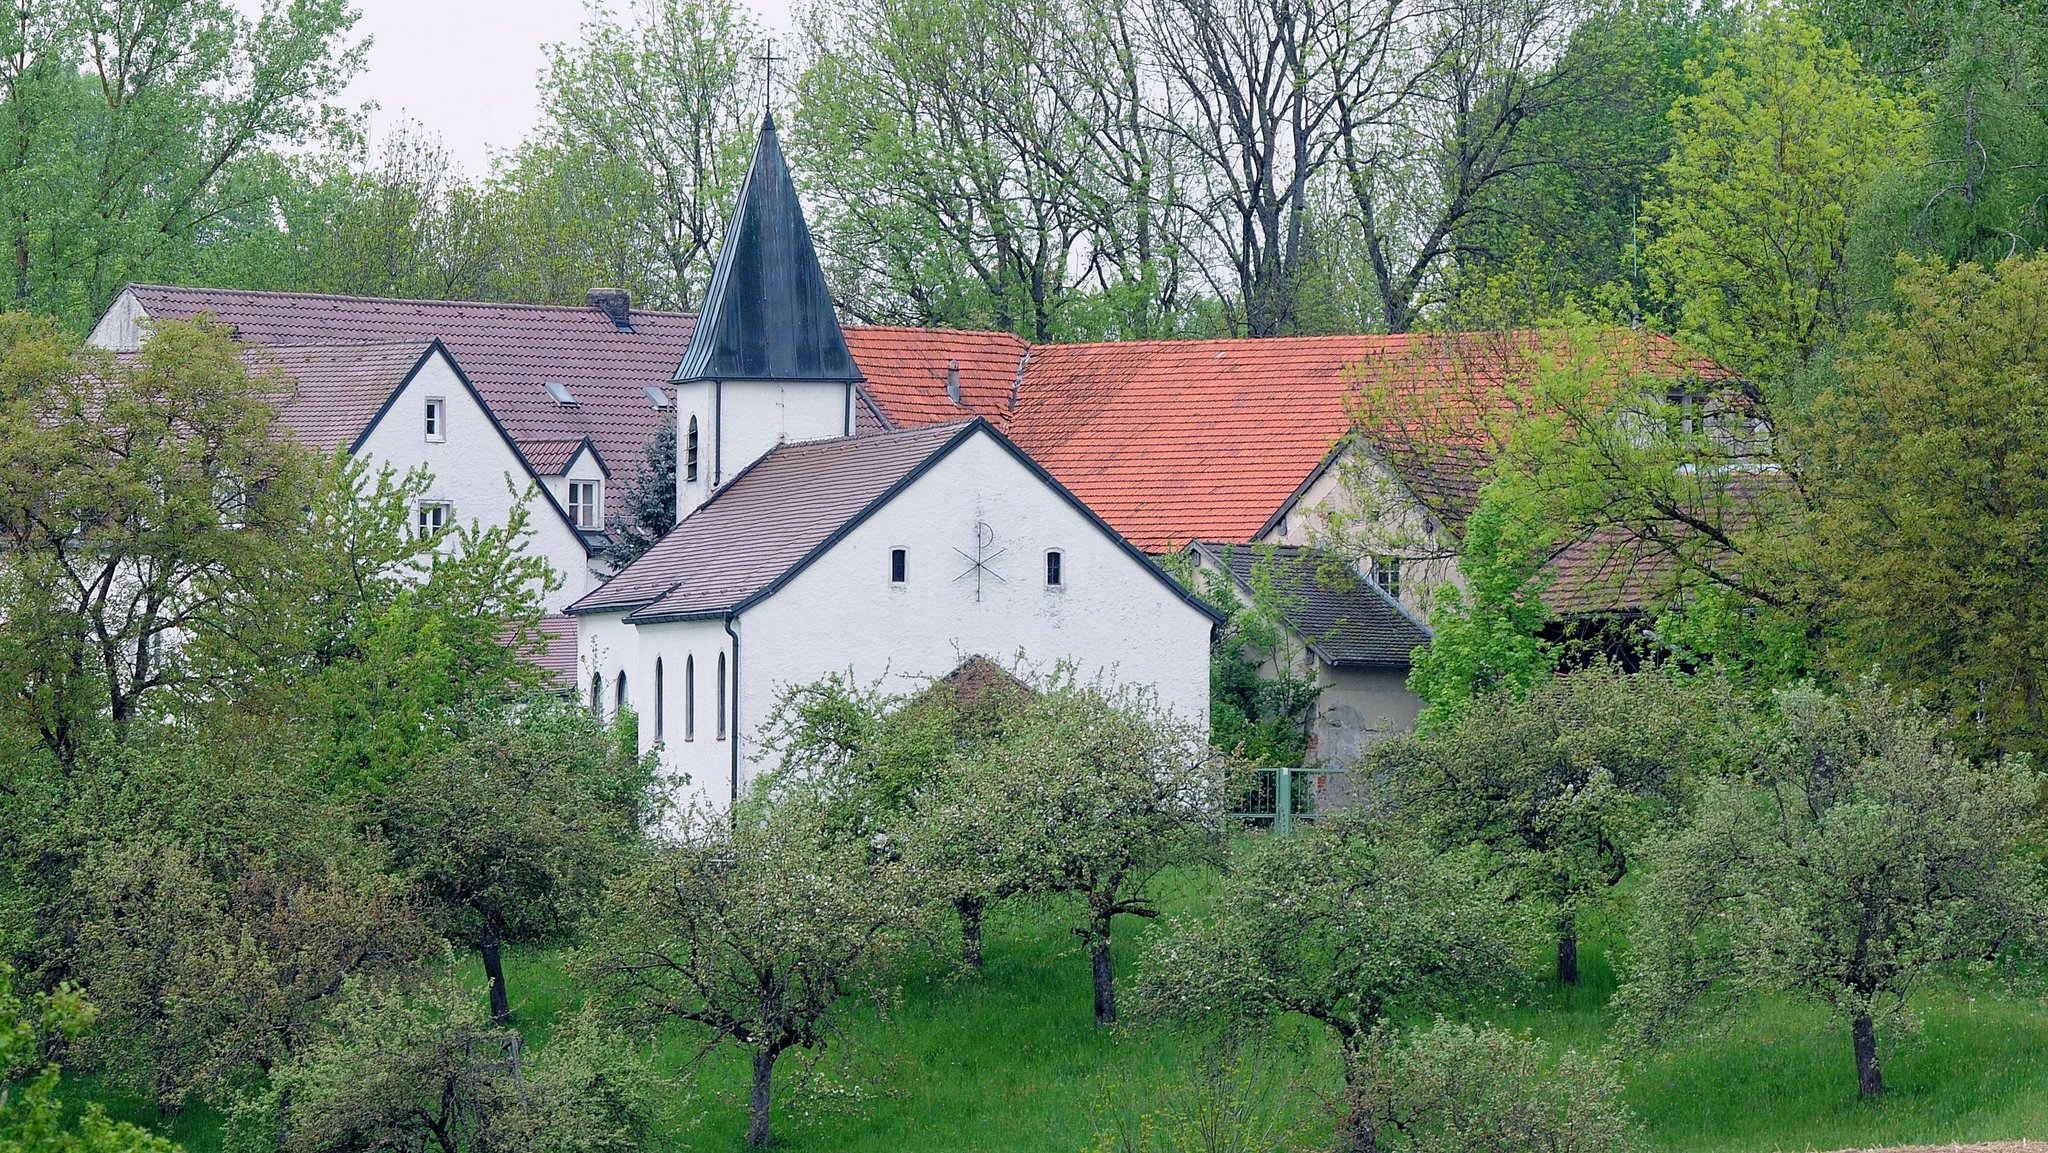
{"x":1862,"y":856}
{"x":1774,"y":154}
{"x":33,"y":1116}
{"x":142,"y":496}
{"x":137,"y":127}
{"x":648,"y":127}
{"x":1929,"y":457}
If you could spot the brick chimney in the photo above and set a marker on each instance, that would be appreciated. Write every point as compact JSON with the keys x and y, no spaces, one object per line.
{"x":615,"y":303}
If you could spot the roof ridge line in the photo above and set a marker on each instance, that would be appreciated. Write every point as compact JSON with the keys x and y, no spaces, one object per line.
{"x":426,"y":300}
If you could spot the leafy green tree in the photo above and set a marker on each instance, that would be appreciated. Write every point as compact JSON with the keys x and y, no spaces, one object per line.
{"x":142,"y":495}
{"x":421,"y":1068}
{"x":140,"y":129}
{"x":1488,"y":635}
{"x":1090,"y":792}
{"x":1928,"y":458}
{"x":1983,"y":70}
{"x":1262,"y":702}
{"x":1773,"y":156}
{"x":512,"y":832}
{"x":1453,"y":1088}
{"x":1860,"y":857}
{"x":32,"y":1111}
{"x":1342,"y":925}
{"x":648,"y":127}
{"x":752,"y":926}
{"x":1562,"y":784}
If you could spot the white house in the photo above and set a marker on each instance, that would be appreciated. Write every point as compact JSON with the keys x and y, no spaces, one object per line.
{"x":892,"y":558}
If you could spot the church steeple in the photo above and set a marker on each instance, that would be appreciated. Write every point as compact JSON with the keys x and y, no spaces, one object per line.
{"x":767,"y":315}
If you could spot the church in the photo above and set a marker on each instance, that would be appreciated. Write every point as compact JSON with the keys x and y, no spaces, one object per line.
{"x":891,"y":501}
{"x":803,"y":550}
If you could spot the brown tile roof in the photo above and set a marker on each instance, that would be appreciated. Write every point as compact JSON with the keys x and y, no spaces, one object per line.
{"x":509,"y":351}
{"x":552,"y":457}
{"x":333,"y":391}
{"x":752,"y":533}
{"x":1346,"y":620}
{"x":557,"y":650}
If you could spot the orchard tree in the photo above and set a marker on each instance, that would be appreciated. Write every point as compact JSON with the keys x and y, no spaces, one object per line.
{"x":1090,"y":792}
{"x":1455,"y":1088}
{"x":1861,"y":857}
{"x":1561,"y":785}
{"x":1345,"y":926}
{"x":884,"y":768}
{"x":752,"y":926}
{"x":1487,"y":637}
{"x":420,"y":1067}
{"x":512,"y":833}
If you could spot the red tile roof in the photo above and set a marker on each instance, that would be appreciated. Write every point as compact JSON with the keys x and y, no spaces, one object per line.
{"x":906,"y":372}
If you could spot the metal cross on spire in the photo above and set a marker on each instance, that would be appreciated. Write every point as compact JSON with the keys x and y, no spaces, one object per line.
{"x":768,"y":59}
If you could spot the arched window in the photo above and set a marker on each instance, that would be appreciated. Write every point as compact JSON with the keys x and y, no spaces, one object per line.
{"x":721,"y":696}
{"x":1054,"y":569}
{"x":619,"y":701}
{"x":690,"y":698}
{"x":690,"y":452}
{"x":596,"y":692}
{"x":657,"y":698}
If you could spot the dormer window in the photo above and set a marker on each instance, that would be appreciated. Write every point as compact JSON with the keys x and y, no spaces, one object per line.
{"x":586,"y":503}
{"x":437,"y":419}
{"x":690,"y":452}
{"x":899,"y":565}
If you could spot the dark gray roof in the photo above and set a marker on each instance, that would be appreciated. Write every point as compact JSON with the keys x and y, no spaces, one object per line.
{"x":767,"y":314}
{"x":766,"y":523}
{"x":1344,"y":619}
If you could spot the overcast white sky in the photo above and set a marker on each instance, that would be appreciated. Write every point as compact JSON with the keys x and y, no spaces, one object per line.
{"x":466,"y":68}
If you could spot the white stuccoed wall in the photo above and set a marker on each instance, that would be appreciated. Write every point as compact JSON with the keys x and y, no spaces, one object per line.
{"x":1113,"y":617}
{"x":475,"y":470}
{"x":738,"y":421}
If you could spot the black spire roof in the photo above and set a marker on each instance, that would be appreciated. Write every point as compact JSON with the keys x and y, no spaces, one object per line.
{"x":767,"y":315}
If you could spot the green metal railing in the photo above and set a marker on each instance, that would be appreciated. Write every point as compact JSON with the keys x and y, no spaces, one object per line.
{"x":1280,"y":798}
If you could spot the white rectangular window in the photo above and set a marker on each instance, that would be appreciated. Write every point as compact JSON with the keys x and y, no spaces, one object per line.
{"x":434,"y":516}
{"x":1386,"y":573}
{"x":586,"y":507}
{"x":437,"y":418}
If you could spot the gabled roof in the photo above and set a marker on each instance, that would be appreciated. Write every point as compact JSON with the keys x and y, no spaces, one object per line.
{"x":552,"y":457}
{"x":509,"y":351}
{"x":767,"y":313}
{"x":790,"y":507}
{"x":333,"y":393}
{"x":1344,"y":619}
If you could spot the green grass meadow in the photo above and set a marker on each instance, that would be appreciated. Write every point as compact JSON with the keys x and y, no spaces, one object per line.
{"x":1009,"y":1059}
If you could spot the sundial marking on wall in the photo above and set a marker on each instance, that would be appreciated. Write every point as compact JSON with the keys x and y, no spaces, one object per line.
{"x":978,"y":560}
